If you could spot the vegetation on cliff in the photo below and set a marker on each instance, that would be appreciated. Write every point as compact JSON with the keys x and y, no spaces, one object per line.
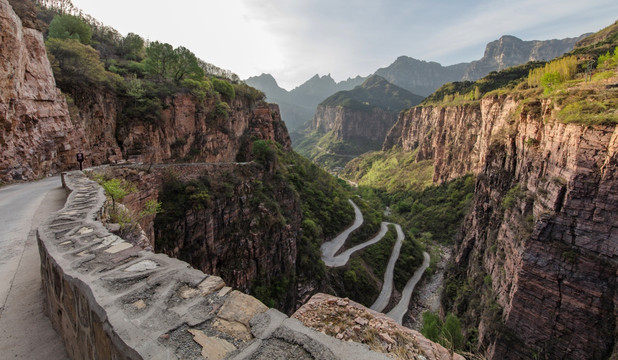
{"x":353,"y":122}
{"x":89,"y":59}
{"x":374,"y":92}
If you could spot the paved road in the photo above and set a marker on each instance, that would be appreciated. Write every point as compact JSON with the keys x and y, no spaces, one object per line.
{"x":401,"y":308}
{"x":387,"y":287}
{"x":330,"y":248}
{"x":25,"y":331}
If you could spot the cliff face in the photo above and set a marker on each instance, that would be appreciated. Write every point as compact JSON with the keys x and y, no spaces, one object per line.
{"x":188,"y":130}
{"x":245,"y":232}
{"x":37,"y":136}
{"x":543,"y":224}
{"x":41,"y":133}
{"x":510,"y":51}
{"x":350,"y":124}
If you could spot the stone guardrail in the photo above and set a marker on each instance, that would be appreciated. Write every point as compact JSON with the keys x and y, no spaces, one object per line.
{"x":111,"y":300}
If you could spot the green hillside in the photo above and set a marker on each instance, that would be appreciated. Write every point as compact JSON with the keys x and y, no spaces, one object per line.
{"x":376,"y":91}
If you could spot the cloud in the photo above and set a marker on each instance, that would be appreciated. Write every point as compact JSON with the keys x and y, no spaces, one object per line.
{"x":293,"y":40}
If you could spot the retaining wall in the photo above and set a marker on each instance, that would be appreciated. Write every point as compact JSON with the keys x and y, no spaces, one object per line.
{"x":111,"y":300}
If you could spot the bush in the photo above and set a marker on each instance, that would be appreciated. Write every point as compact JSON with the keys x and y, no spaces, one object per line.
{"x":512,"y":196}
{"x":250,"y":94}
{"x":225,"y":89}
{"x":432,"y":326}
{"x":608,"y":60}
{"x":77,"y":67}
{"x":70,"y":27}
{"x":264,"y":152}
{"x":589,"y":112}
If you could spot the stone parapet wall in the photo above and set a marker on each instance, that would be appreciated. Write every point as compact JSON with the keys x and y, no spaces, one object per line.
{"x":111,"y":300}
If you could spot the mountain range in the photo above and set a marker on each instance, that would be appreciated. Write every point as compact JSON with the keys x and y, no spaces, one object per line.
{"x":417,"y":76}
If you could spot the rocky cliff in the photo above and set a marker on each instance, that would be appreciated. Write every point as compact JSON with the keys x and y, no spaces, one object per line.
{"x":354,"y":125}
{"x":189,"y":131}
{"x":510,"y":51}
{"x":42,"y":132}
{"x":543,"y":228}
{"x":223,"y":220}
{"x":350,"y":123}
{"x":37,"y":136}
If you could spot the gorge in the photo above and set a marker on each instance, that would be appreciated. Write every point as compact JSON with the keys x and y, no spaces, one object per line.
{"x":518,"y":174}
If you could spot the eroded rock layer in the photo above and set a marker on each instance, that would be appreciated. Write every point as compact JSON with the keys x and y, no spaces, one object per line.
{"x":37,"y":136}
{"x":543,"y":225}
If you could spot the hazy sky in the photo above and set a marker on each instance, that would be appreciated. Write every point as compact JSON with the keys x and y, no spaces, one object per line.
{"x":294,"y":40}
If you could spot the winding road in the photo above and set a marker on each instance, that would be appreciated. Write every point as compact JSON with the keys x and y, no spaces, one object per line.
{"x":387,"y":287}
{"x":401,"y":308}
{"x":330,"y":248}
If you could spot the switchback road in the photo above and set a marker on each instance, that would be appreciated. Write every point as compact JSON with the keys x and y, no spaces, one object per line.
{"x":330,"y":248}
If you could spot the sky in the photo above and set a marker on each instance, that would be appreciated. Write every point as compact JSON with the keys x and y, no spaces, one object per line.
{"x":294,"y":40}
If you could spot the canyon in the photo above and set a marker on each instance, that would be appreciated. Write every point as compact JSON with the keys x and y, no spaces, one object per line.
{"x":534,"y":268}
{"x":550,"y":253}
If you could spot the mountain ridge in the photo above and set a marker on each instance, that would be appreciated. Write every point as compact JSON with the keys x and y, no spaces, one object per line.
{"x":417,"y":76}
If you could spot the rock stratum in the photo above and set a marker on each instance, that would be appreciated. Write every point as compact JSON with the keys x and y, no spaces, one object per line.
{"x":41,"y":133}
{"x":550,"y":254}
{"x":37,"y":136}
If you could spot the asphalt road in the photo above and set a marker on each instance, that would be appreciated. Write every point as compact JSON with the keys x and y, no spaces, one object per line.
{"x":401,"y":308}
{"x":330,"y":248}
{"x":25,"y":331}
{"x":387,"y":287}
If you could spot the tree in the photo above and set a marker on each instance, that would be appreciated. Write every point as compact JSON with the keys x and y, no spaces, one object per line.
{"x":132,"y":47}
{"x":159,"y":57}
{"x":451,"y":333}
{"x":117,"y":189}
{"x":185,"y":65}
{"x":431,"y":326}
{"x":70,"y":27}
{"x":167,"y":63}
{"x":77,"y":66}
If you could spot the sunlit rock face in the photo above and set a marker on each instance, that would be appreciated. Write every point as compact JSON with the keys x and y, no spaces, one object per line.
{"x":550,"y":254}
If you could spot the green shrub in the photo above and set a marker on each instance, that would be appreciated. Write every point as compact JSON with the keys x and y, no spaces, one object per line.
{"x":512,"y":196}
{"x":225,"y":89}
{"x":432,"y":325}
{"x":589,"y":112}
{"x":450,"y":334}
{"x":70,"y":27}
{"x":221,"y":111}
{"x":608,"y":60}
{"x":201,"y":89}
{"x":264,"y":152}
{"x":77,"y":67}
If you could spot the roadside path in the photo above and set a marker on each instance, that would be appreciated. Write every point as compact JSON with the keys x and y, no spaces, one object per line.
{"x":330,"y":248}
{"x":25,"y":331}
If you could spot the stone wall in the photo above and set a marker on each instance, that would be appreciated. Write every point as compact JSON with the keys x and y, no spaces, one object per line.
{"x":109,"y":299}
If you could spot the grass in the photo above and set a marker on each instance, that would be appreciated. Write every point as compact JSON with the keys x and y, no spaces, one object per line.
{"x":393,"y":170}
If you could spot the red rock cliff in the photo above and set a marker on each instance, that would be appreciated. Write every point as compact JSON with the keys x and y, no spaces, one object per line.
{"x":551,"y":249}
{"x":366,"y":127}
{"x":37,"y":136}
{"x":188,"y":131}
{"x":40,"y":134}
